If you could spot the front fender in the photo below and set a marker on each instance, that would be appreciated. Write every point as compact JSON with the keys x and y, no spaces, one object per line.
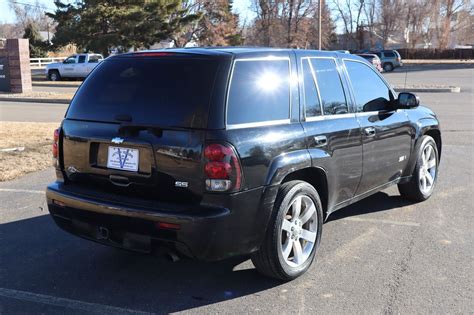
{"x":422,"y":127}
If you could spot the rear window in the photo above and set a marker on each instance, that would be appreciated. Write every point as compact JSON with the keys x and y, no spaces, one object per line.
{"x":153,"y":91}
{"x":389,"y":54}
{"x":259,"y":92}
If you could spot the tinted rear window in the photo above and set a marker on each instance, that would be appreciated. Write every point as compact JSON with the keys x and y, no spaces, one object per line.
{"x":153,"y":91}
{"x":259,"y":92}
{"x":389,"y":54}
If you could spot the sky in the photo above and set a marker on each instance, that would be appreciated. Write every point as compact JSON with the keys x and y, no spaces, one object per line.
{"x":7,"y":16}
{"x":242,"y":7}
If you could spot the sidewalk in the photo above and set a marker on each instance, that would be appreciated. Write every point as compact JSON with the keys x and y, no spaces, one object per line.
{"x":37,"y":97}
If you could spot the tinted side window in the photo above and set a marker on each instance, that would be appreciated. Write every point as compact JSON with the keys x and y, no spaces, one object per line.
{"x":70,"y":60}
{"x":330,"y":86}
{"x":311,"y":98}
{"x":82,"y":59}
{"x":389,"y":54}
{"x":93,"y":59}
{"x":371,"y":93}
{"x":259,"y":91}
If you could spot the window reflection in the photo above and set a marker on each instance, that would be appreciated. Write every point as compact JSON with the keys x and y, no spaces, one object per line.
{"x":259,"y":92}
{"x":330,"y":86}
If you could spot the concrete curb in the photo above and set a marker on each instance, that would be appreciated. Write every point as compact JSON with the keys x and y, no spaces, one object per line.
{"x":46,"y":84}
{"x":450,"y":89}
{"x":438,"y":61}
{"x":35,"y":100}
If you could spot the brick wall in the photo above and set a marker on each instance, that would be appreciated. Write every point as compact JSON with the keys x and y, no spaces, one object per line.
{"x":18,"y":52}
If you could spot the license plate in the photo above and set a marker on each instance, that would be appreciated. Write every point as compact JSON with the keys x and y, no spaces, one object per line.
{"x":124,"y":159}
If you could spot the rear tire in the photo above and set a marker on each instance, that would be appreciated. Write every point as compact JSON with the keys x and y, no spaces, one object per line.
{"x":53,"y":75}
{"x":424,"y":177}
{"x":293,"y":234}
{"x":388,"y":67}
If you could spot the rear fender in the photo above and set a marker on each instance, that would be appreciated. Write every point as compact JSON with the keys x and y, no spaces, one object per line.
{"x":285,"y":164}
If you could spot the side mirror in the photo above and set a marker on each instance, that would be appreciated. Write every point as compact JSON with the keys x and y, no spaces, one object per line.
{"x":407,"y":100}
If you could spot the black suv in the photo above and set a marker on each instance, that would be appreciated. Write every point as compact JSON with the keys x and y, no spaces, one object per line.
{"x":212,"y":153}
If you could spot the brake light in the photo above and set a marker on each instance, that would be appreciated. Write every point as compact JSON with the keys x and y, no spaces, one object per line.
{"x":167,"y":226}
{"x":218,"y":170}
{"x":55,"y":149}
{"x":222,"y":168}
{"x":152,"y":54}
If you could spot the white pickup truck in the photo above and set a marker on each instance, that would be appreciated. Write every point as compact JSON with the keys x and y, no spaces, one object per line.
{"x":76,"y":66}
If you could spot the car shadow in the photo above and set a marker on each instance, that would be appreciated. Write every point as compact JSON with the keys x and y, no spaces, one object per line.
{"x":36,"y":256}
{"x":378,"y":202}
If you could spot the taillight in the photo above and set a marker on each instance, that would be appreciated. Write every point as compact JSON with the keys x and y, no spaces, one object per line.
{"x":55,"y":143}
{"x":222,"y":168}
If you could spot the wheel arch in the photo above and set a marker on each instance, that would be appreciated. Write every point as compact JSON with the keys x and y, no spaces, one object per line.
{"x":317,"y":178}
{"x":428,"y":128}
{"x":436,"y":135}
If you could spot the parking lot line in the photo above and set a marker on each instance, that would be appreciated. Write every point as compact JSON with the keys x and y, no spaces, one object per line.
{"x":66,"y":303}
{"x":382,"y":221}
{"x":28,"y":191}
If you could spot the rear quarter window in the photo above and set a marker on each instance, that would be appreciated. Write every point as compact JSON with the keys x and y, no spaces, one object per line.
{"x":259,"y":91}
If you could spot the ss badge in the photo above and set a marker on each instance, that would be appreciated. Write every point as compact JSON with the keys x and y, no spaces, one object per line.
{"x":181,"y":184}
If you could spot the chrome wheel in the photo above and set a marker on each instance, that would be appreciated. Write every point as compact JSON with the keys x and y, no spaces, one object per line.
{"x":427,"y":175}
{"x":298,"y":231}
{"x":53,"y":76}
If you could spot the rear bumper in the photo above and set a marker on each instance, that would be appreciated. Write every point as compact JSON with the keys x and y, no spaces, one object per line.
{"x":206,"y":232}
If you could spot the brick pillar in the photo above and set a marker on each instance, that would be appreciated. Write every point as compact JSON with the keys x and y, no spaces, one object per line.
{"x":18,"y":50}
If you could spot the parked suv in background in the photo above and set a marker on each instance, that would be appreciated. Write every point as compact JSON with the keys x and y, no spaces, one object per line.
{"x":213,"y":153}
{"x":374,"y":60}
{"x":391,"y":59}
{"x":77,"y":66}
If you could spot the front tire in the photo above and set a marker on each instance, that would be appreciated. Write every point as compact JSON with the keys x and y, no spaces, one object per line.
{"x":293,"y":234}
{"x":53,"y":75}
{"x":424,"y":177}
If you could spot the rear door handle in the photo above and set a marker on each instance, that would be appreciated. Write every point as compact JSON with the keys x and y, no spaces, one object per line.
{"x":320,"y":141}
{"x":369,"y":131}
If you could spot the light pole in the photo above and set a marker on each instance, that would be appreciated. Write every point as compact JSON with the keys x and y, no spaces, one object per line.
{"x":319,"y":21}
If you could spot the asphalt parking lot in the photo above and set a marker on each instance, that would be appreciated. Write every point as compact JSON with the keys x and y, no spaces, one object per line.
{"x":380,"y":255}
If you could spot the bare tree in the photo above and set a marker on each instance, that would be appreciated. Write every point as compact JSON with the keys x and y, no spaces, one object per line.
{"x":450,"y":13}
{"x":370,"y":15}
{"x":31,"y":14}
{"x":267,"y":16}
{"x":295,"y":15}
{"x":417,"y":21}
{"x":350,"y":12}
{"x":389,"y":18}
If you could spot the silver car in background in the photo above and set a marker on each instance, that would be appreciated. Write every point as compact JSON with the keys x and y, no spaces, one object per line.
{"x":76,"y":66}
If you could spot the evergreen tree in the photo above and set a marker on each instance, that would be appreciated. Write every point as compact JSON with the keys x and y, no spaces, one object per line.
{"x":38,"y":48}
{"x":99,"y":26}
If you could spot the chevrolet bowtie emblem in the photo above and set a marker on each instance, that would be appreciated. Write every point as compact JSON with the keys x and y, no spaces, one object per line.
{"x":117,"y":140}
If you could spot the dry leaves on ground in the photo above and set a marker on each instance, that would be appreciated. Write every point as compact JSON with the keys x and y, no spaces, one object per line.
{"x":36,"y":138}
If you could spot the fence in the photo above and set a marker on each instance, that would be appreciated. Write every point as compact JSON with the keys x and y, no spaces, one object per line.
{"x":41,"y":62}
{"x":433,"y":53}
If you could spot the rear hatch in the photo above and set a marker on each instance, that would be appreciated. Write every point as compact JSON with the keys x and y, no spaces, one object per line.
{"x":136,"y":127}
